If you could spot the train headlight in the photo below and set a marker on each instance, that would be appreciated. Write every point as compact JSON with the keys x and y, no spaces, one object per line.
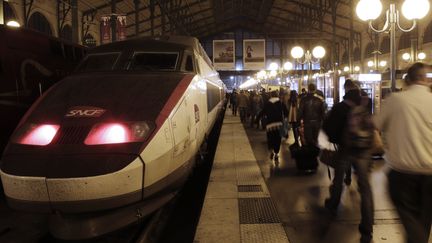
{"x":36,"y":134}
{"x":115,"y":133}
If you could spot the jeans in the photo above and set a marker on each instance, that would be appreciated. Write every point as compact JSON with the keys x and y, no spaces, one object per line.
{"x":234,"y":109}
{"x":361,"y":162}
{"x":412,"y":196}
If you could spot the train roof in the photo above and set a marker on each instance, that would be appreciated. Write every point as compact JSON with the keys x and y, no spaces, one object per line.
{"x":156,"y":42}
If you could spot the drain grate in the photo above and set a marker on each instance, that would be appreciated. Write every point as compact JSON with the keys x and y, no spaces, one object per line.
{"x":249,"y":188}
{"x":257,"y":211}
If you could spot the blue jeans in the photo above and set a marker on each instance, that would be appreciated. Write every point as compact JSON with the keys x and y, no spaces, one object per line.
{"x":361,"y":162}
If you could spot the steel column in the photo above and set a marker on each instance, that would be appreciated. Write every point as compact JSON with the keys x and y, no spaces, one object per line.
{"x":1,"y":12}
{"x":136,"y":4}
{"x":113,"y":20}
{"x":74,"y":6}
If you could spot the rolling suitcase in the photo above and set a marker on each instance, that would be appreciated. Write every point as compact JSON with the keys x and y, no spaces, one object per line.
{"x":306,"y":157}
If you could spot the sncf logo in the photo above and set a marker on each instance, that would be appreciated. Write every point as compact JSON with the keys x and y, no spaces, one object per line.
{"x":85,"y":111}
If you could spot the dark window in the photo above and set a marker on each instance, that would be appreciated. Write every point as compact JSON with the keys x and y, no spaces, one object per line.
{"x":154,"y":61}
{"x":66,"y":33}
{"x":99,"y":62}
{"x":385,"y":45}
{"x":370,"y":48}
{"x":189,"y":64}
{"x":38,"y":22}
{"x":213,"y":96}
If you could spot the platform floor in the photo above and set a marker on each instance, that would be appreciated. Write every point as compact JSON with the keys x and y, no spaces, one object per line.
{"x":286,"y":206}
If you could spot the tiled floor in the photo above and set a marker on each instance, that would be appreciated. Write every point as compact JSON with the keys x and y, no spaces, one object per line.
{"x":297,"y":198}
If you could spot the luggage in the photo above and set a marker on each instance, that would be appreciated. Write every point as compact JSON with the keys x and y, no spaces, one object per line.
{"x":306,"y":157}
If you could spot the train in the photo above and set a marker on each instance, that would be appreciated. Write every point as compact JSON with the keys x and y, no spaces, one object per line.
{"x":30,"y":62}
{"x":114,"y":141}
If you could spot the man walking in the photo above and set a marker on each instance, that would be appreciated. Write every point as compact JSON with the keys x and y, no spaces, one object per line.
{"x":406,"y":120}
{"x":354,"y":138}
{"x":311,"y":112}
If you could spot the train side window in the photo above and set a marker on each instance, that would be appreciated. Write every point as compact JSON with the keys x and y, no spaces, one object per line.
{"x":99,"y":62}
{"x":189,"y":65}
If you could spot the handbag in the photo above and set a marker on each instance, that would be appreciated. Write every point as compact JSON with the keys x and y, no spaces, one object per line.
{"x":329,"y":157}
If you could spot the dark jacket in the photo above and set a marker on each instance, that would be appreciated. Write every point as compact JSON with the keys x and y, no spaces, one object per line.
{"x":334,"y":124}
{"x":312,"y":108}
{"x":274,"y":110}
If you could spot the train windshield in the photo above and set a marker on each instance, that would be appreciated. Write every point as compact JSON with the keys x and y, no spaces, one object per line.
{"x":99,"y":62}
{"x":154,"y":61}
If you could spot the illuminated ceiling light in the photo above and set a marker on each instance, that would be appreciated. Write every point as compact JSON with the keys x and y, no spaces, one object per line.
{"x":421,"y":56}
{"x":406,"y":56}
{"x":357,"y":68}
{"x":13,"y":23}
{"x":273,"y":73}
{"x":370,"y":63}
{"x":383,"y":63}
{"x":369,"y":9}
{"x":297,"y":52}
{"x":415,"y":9}
{"x":346,"y":69}
{"x":318,"y":52}
{"x":273,"y":66}
{"x":288,"y":66}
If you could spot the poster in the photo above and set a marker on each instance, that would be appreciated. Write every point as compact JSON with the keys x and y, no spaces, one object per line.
{"x":121,"y":27}
{"x":105,"y":29}
{"x":224,"y":54}
{"x":254,"y":54}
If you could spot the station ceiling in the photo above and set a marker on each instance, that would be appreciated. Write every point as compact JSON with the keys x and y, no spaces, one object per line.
{"x":201,"y":18}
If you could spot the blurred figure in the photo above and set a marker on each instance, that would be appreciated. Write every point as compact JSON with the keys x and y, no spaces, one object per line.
{"x":255,"y":107}
{"x":293,"y":115}
{"x":406,"y":120}
{"x":233,"y":102}
{"x":311,"y":112}
{"x":275,"y":111}
{"x":243,"y":103}
{"x":349,"y":125}
{"x":303,"y":93}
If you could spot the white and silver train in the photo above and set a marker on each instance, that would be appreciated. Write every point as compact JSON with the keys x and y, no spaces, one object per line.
{"x":113,"y":142}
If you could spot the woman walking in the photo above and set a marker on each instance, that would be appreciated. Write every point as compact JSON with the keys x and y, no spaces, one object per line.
{"x":275,"y":111}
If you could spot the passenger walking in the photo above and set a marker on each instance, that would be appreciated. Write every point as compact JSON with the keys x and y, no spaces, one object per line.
{"x":243,"y":103}
{"x":275,"y":111}
{"x":406,"y":122}
{"x":293,"y":115}
{"x":256,"y":105}
{"x":234,"y":102}
{"x":311,"y":112}
{"x":349,"y":125}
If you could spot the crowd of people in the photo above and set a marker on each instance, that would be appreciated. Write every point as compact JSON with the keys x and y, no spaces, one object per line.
{"x":405,"y":122}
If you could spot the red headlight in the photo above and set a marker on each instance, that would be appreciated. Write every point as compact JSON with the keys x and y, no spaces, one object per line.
{"x":36,"y":134}
{"x":114,"y":133}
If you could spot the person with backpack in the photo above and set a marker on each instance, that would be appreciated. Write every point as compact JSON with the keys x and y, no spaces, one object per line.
{"x":275,"y":111}
{"x":349,"y":125}
{"x":406,"y":122}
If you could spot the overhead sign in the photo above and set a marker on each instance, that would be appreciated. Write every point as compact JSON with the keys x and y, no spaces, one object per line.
{"x":254,"y":54}
{"x":224,"y":54}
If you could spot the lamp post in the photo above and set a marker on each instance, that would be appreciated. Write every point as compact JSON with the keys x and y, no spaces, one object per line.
{"x":298,"y":53}
{"x":369,"y":10}
{"x":410,"y":58}
{"x":276,"y":70}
